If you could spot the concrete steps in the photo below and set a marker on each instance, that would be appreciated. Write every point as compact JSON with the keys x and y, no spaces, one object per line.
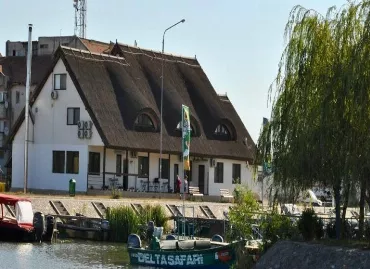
{"x":59,"y":208}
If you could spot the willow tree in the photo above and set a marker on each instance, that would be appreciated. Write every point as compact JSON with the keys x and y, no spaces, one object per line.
{"x":313,"y":128}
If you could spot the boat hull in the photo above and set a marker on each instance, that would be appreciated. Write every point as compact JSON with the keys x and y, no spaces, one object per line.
{"x":14,"y":233}
{"x":216,"y":257}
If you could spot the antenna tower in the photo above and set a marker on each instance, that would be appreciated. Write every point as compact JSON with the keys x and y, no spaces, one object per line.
{"x":80,"y":7}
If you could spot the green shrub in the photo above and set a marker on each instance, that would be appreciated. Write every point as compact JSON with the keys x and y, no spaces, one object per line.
{"x":122,"y":221}
{"x":276,"y":227}
{"x":310,"y":225}
{"x":242,"y":216}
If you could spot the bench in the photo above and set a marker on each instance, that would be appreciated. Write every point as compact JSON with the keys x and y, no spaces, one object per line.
{"x":194,"y":191}
{"x":225,"y":193}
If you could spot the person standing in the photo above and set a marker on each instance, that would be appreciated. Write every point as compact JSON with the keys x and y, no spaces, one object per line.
{"x":185,"y":186}
{"x":178,"y":185}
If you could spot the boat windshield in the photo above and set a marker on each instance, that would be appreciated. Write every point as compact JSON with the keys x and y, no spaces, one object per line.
{"x":23,"y":212}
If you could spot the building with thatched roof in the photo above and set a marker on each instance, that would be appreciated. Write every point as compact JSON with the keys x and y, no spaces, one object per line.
{"x":97,"y":119}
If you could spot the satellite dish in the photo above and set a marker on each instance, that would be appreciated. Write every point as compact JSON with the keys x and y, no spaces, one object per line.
{"x":6,"y":130}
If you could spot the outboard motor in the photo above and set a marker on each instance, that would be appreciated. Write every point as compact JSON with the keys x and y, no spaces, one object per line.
{"x":50,"y":222}
{"x":134,"y":241}
{"x":150,"y":229}
{"x":39,"y":225}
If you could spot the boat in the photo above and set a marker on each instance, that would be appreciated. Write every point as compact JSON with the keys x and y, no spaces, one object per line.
{"x":188,"y":253}
{"x":18,"y":222}
{"x":20,"y":226}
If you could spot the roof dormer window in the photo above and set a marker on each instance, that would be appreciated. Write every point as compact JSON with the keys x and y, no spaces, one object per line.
{"x":144,"y":122}
{"x":222,"y":132}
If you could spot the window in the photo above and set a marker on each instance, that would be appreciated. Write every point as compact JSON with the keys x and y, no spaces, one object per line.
{"x":94,"y":163}
{"x":144,"y":123}
{"x":44,"y":46}
{"x":17,"y":95}
{"x":65,"y":44}
{"x":222,"y":132}
{"x":165,"y":169}
{"x":143,"y":166}
{"x":236,"y":173}
{"x":2,"y":154}
{"x":72,"y":162}
{"x":73,"y":116}
{"x":60,"y":81}
{"x":219,"y":173}
{"x":58,"y":161}
{"x":118,"y":164}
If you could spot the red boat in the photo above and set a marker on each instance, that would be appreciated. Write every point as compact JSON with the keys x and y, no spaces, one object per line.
{"x":16,"y":219}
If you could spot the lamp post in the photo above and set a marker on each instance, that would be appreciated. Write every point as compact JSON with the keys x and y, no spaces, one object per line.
{"x":161,"y":120}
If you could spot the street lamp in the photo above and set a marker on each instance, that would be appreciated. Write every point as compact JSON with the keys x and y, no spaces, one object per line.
{"x":161,"y":128}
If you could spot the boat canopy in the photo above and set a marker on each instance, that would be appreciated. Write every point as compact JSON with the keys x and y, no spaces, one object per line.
{"x":11,"y":199}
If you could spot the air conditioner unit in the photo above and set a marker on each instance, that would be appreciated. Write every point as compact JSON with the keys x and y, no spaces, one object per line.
{"x":80,"y":134}
{"x":87,"y":134}
{"x":212,"y":162}
{"x":133,"y":154}
{"x":54,"y":95}
{"x":88,"y":124}
{"x":81,"y":125}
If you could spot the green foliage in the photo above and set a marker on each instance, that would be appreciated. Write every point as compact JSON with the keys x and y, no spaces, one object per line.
{"x":318,"y":131}
{"x":154,"y":213}
{"x":123,"y":221}
{"x":310,"y":225}
{"x":241,"y":215}
{"x":276,"y":227}
{"x":115,"y":194}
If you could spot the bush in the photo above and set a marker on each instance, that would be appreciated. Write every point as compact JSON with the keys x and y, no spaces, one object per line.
{"x":310,"y":225}
{"x":276,"y":227}
{"x":241,"y":215}
{"x":123,"y":221}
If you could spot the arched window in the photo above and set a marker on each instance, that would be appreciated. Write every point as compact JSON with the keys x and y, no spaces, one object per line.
{"x":143,"y":122}
{"x":179,"y":128}
{"x":222,"y":132}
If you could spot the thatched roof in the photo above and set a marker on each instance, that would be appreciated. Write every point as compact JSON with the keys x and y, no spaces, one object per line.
{"x":115,"y":90}
{"x":15,"y":67}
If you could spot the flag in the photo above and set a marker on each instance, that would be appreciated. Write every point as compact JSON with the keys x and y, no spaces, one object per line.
{"x":185,"y":124}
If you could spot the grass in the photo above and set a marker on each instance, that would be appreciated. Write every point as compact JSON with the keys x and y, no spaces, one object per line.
{"x":123,"y":221}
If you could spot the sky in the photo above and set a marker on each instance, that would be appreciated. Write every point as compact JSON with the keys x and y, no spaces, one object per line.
{"x":237,"y":42}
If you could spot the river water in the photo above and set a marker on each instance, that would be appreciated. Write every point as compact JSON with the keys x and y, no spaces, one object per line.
{"x":64,"y":255}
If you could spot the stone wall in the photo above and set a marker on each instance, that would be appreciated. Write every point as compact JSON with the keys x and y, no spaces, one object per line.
{"x":294,"y":255}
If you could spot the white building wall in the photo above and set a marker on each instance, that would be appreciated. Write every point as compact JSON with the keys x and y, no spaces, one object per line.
{"x":15,"y":107}
{"x":52,"y":133}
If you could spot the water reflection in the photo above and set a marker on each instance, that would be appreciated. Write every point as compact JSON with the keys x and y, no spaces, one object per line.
{"x":68,"y":254}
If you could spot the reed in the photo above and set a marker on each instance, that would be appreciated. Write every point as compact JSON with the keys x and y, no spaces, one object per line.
{"x":123,"y":220}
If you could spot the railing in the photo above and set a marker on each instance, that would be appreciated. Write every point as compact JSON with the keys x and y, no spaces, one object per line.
{"x":127,"y":182}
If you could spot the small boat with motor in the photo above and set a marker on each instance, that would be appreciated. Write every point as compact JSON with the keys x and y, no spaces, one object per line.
{"x":186,"y":253}
{"x":19,"y":223}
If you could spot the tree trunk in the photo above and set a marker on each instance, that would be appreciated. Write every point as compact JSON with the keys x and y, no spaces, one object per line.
{"x":337,"y":210}
{"x":362,"y":208}
{"x":345,"y":205}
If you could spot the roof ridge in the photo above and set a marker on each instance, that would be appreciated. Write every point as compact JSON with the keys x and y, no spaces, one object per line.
{"x":93,"y":53}
{"x":97,"y":41}
{"x":157,"y":51}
